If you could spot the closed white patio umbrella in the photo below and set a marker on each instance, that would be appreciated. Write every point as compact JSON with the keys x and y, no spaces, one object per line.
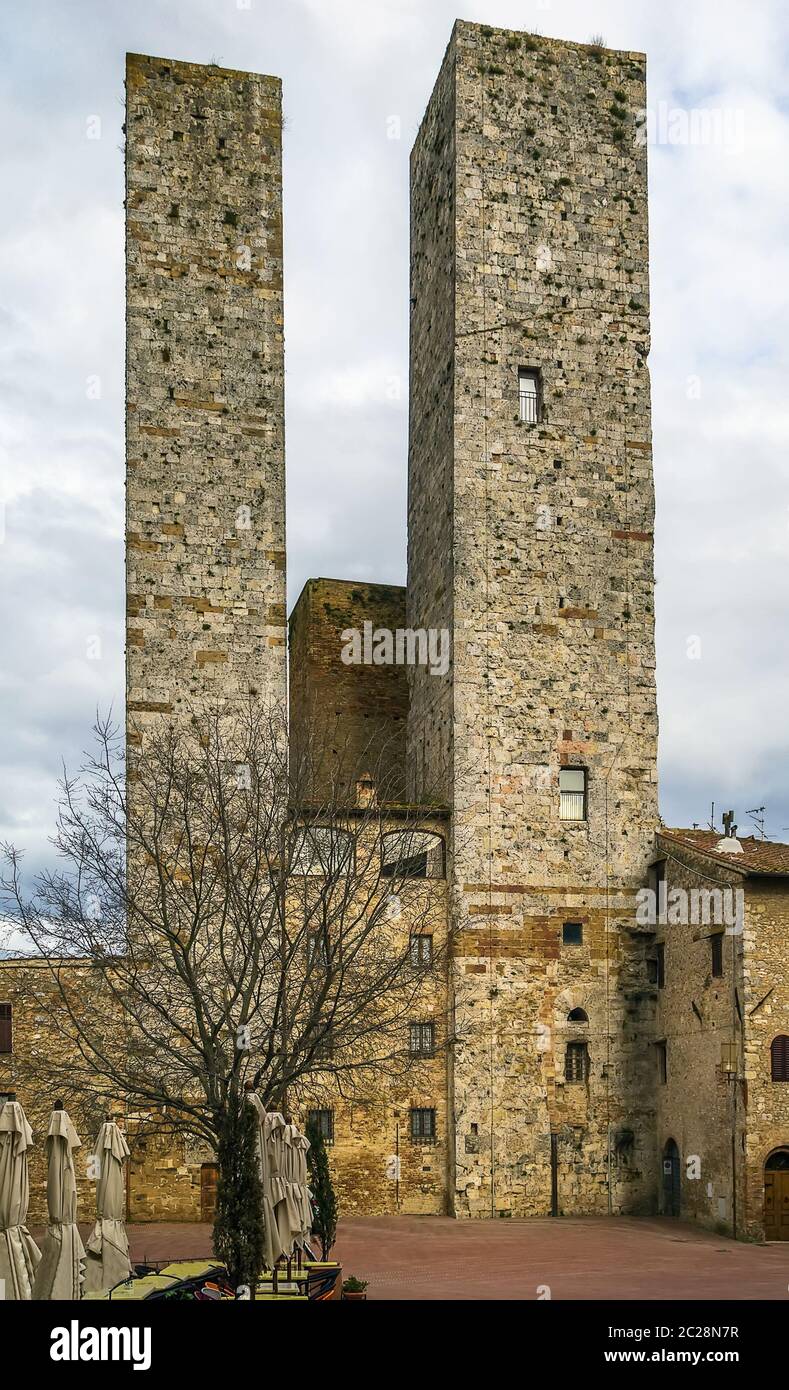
{"x":296,"y":1148}
{"x":291,"y":1172}
{"x":61,"y":1271}
{"x":19,"y":1254}
{"x":282,"y":1200}
{"x":271,"y":1186}
{"x":107,"y":1261}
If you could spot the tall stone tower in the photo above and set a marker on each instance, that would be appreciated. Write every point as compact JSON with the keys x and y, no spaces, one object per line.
{"x":204,"y":387}
{"x":530,"y":537}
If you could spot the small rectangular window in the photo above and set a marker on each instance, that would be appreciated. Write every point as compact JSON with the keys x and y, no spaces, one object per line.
{"x":422,"y":1039}
{"x":652,"y":972}
{"x":529,"y":395}
{"x":421,"y":947}
{"x":572,"y":934}
{"x":423,"y":1126}
{"x":576,"y":1062}
{"x":572,"y":793}
{"x":661,"y":964}
{"x":323,"y":1043}
{"x":6,"y":1028}
{"x":323,"y":1121}
{"x":662,"y":1062}
{"x":318,"y":954}
{"x":716,"y":955}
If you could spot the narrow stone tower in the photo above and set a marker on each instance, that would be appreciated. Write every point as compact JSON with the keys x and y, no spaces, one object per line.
{"x":204,"y":387}
{"x":530,"y":536}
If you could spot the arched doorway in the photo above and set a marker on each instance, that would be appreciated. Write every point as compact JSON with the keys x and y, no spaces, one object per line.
{"x":776,"y":1196}
{"x":671,"y":1180}
{"x":209,"y":1176}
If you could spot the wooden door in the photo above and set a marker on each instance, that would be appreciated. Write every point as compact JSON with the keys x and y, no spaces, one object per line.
{"x":671,"y":1180}
{"x":209,"y":1176}
{"x":776,"y":1204}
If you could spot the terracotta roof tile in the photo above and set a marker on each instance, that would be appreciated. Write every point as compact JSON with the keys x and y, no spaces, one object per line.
{"x":758,"y":856}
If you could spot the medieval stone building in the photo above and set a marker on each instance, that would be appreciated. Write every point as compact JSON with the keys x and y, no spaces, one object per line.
{"x":591,"y":1054}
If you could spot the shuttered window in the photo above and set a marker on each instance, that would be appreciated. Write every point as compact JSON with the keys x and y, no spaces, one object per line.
{"x":779,"y":1058}
{"x":6,"y":1028}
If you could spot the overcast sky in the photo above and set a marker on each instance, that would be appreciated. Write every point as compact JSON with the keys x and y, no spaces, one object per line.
{"x":720,"y":272}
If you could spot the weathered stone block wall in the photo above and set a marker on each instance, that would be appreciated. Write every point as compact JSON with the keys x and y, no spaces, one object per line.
{"x":430,"y":594}
{"x":766,"y":1015}
{"x":164,"y":1171}
{"x":345,"y":719}
{"x":529,"y":250}
{"x":205,"y":562}
{"x":702,"y":1104}
{"x":36,"y":1041}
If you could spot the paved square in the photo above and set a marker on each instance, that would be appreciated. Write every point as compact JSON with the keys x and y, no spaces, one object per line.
{"x":433,"y":1257}
{"x":576,"y":1258}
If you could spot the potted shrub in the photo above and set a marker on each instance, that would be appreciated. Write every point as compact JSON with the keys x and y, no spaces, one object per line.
{"x":354,"y":1288}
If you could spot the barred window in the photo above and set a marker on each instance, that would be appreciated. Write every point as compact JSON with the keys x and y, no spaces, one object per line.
{"x":422,"y":1039}
{"x":323,"y":1121}
{"x":423,"y":1126}
{"x":529,"y":395}
{"x":421,"y":946}
{"x":6,"y":1028}
{"x":716,"y":962}
{"x":576,"y":1062}
{"x":779,"y":1058}
{"x":572,"y":793}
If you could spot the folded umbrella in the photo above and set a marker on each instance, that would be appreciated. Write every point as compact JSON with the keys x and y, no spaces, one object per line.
{"x":274,"y":1130}
{"x":19,"y":1254}
{"x":107,"y":1261}
{"x":274,"y":1247}
{"x":61,"y":1271}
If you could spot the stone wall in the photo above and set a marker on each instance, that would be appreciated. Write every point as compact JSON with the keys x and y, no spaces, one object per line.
{"x":529,"y":251}
{"x":766,"y":1014}
{"x":346,"y":720}
{"x":701,"y":1106}
{"x":205,"y":558}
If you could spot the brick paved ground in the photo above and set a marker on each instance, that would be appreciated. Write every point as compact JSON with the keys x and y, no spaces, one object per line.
{"x":433,"y":1257}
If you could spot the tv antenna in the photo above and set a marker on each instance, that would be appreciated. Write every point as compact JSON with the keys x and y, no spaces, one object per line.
{"x":757,"y":816}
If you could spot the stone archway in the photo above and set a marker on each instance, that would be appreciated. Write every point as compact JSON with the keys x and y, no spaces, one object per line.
{"x":776,"y":1195}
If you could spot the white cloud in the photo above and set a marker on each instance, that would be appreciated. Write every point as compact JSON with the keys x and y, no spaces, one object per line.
{"x":719,"y":301}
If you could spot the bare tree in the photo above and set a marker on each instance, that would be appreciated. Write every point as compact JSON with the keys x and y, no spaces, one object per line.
{"x":226,"y":914}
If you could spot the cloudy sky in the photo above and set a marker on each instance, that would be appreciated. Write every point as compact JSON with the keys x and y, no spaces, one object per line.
{"x":720,"y":272}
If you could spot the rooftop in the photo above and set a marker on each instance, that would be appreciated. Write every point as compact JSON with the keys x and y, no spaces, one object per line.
{"x":769,"y":857}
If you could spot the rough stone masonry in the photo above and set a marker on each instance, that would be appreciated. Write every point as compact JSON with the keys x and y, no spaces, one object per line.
{"x":531,"y":539}
{"x":205,"y":569}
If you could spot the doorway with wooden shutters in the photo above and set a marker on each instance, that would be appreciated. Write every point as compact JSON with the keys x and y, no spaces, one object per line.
{"x":776,"y":1196}
{"x":671,"y":1179}
{"x":209,"y":1177}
